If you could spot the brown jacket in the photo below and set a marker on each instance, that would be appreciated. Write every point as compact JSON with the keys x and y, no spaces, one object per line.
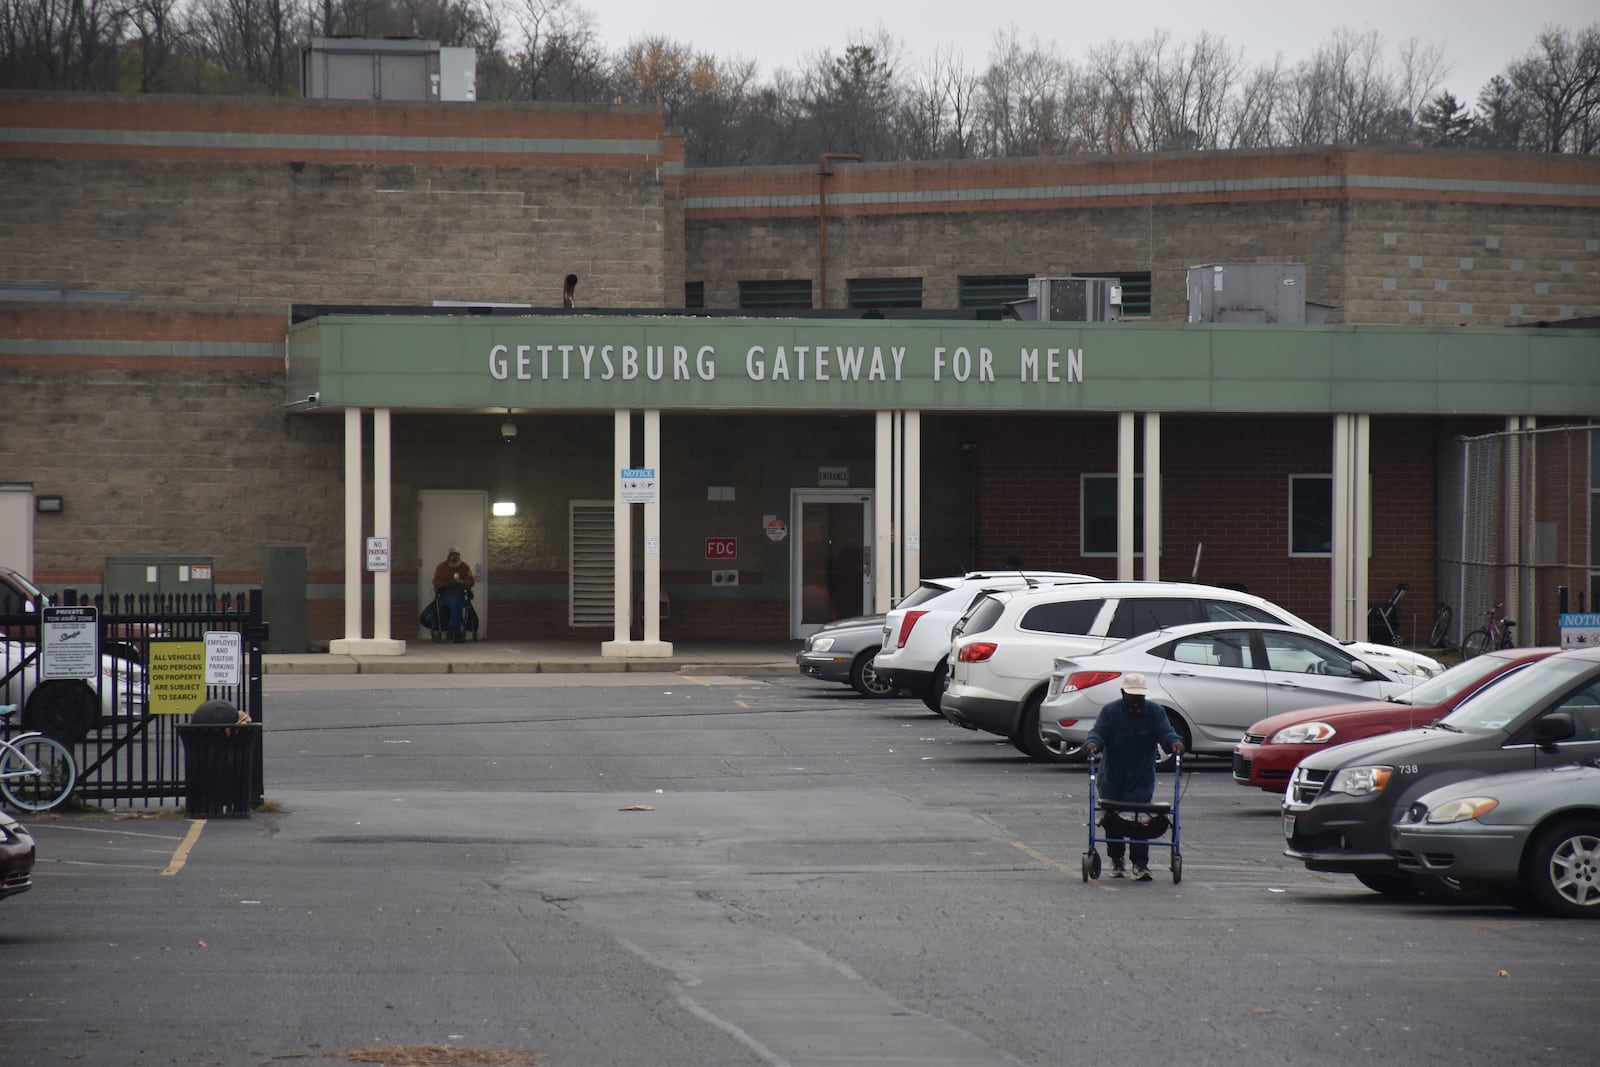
{"x":445,"y":573}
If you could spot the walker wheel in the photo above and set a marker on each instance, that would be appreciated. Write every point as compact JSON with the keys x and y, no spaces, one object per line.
{"x":1091,"y":865}
{"x":1177,"y":867}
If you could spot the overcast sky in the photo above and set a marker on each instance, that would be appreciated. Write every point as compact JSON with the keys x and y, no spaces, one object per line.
{"x":1479,"y":37}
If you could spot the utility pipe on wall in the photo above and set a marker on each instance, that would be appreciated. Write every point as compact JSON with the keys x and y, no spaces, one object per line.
{"x":823,"y":174}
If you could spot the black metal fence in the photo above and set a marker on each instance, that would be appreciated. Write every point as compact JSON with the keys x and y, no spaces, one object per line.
{"x":126,"y":743}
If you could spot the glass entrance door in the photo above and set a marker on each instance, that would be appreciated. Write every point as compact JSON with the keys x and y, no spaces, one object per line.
{"x":830,"y":558}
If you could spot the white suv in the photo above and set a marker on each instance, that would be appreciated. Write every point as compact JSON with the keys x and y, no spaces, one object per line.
{"x":916,"y":634}
{"x":1003,"y":649}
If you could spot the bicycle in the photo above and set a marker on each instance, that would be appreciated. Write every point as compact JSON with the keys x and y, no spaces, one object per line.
{"x":37,"y":772}
{"x":1439,"y":636}
{"x":1493,"y":636}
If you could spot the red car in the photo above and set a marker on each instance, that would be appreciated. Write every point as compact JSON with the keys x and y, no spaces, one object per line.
{"x":1272,"y":747}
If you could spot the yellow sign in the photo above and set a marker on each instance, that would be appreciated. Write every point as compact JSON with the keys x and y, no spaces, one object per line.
{"x":177,"y":676}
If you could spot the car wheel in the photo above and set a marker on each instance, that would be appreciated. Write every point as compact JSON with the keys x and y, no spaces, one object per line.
{"x":865,"y":680}
{"x":1390,"y":885}
{"x":1164,"y":761}
{"x":63,"y":709}
{"x":936,"y":686}
{"x":1035,"y":745}
{"x":1563,"y":868}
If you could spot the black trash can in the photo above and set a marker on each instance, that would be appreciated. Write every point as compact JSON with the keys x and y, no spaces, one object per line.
{"x":218,"y":762}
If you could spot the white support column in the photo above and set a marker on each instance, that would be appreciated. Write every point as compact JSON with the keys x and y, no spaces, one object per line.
{"x":911,"y":521}
{"x":886,"y":590}
{"x":352,"y":534}
{"x":1351,"y":547}
{"x":383,"y":643}
{"x":621,"y":537}
{"x":652,"y":645}
{"x":1125,"y":470}
{"x":1152,"y":497}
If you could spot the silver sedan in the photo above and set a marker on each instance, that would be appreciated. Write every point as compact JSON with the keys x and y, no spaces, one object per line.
{"x":1531,"y":836}
{"x":843,"y":651}
{"x":1214,"y":679}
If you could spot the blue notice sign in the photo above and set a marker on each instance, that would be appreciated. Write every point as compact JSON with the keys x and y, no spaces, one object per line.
{"x":638,"y":485}
{"x":1580,"y":630}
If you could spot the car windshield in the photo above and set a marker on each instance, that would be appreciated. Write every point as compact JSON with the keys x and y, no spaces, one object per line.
{"x":1494,"y":707}
{"x":1453,"y":682}
{"x":35,"y":596}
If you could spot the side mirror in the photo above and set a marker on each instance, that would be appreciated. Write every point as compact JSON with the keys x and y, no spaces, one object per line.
{"x":1556,"y":726}
{"x":1365,"y":671}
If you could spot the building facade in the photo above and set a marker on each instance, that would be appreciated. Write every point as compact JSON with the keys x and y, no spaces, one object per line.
{"x":258,"y":330}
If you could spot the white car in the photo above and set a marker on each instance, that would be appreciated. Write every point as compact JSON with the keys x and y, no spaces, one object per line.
{"x":1216,"y":679}
{"x":916,"y":634}
{"x":1004,"y":648}
{"x":69,"y":708}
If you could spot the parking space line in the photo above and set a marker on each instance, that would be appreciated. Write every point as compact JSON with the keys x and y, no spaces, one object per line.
{"x":181,"y":856}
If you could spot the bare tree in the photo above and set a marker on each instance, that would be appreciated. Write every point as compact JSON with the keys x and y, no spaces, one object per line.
{"x":1557,"y":85}
{"x":556,"y":54}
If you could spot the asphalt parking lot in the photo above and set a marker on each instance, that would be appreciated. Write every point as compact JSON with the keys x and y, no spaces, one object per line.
{"x":612,"y":870}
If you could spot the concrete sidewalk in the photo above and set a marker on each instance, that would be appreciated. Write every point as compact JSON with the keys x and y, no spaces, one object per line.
{"x":544,"y":657}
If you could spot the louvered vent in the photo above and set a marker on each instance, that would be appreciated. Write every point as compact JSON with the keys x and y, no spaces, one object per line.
{"x":592,"y":572}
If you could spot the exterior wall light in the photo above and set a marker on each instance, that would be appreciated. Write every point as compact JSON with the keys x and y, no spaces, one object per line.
{"x":503,"y":509}
{"x":48,"y":504}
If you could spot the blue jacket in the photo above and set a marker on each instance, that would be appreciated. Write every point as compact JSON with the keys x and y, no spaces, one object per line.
{"x":1128,"y":739}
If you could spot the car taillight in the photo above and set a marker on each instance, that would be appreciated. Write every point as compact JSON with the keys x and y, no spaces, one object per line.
{"x":1066,"y":722}
{"x":906,"y":624}
{"x":1088,"y":679}
{"x":977,"y":652}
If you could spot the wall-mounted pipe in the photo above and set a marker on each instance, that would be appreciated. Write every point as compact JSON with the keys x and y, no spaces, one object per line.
{"x":823,"y":174}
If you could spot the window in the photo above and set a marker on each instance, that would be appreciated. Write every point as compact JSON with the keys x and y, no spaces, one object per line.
{"x":1135,"y":289}
{"x":1298,"y":654}
{"x":694,"y":294}
{"x":1099,"y":514}
{"x":1228,"y":611}
{"x":1141,"y":614}
{"x":991,"y":290}
{"x":885,"y":292}
{"x":778,"y":296}
{"x":1225,"y":648}
{"x":1310,"y":514}
{"x":1065,"y":617}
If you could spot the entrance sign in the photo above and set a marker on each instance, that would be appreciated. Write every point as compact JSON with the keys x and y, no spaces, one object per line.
{"x":638,"y":485}
{"x":70,"y":643}
{"x":224,"y":657}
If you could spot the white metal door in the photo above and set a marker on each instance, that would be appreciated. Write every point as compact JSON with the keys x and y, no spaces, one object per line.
{"x":458,"y":517}
{"x":830,"y":556}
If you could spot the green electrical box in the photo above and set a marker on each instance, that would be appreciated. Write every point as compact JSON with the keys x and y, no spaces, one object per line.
{"x":158,"y":575}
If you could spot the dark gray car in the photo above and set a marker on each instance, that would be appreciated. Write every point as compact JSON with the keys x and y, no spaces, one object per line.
{"x":1341,"y":803}
{"x":842,"y":652}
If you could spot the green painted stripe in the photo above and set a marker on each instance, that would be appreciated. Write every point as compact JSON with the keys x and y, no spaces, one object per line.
{"x":319,"y":143}
{"x":166,"y":349}
{"x":1156,"y":189}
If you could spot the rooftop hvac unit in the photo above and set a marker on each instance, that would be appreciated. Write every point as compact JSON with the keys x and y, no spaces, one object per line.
{"x":341,"y":68}
{"x":1248,"y":292}
{"x":1070,"y":300}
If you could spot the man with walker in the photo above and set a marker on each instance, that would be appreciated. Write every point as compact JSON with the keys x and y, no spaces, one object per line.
{"x":1128,"y":731}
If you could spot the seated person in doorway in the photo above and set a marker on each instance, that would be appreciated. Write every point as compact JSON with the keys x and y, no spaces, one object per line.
{"x":452,"y":579}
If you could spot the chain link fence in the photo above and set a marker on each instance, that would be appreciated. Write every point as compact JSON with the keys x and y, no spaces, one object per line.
{"x":1517,"y":527}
